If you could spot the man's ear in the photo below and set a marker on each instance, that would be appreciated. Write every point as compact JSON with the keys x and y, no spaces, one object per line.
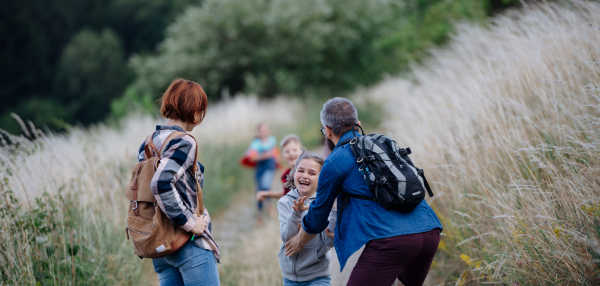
{"x":359,"y":123}
{"x":329,"y":133}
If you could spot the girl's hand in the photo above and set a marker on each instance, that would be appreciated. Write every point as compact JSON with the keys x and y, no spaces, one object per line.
{"x":299,"y":205}
{"x":200,"y":225}
{"x":262,"y":195}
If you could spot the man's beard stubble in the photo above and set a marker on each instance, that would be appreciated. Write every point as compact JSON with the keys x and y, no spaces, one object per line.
{"x":330,"y":144}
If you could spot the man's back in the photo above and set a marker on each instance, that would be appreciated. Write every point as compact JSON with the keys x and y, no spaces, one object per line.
{"x":362,"y":220}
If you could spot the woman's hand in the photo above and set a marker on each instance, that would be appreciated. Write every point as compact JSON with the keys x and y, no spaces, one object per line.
{"x":299,"y":205}
{"x":200,"y":225}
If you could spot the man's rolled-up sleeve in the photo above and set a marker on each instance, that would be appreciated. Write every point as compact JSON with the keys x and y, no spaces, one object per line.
{"x":330,"y":186}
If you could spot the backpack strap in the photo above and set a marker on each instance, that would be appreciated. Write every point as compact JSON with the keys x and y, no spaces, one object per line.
{"x":149,"y":147}
{"x":422,"y":174}
{"x":199,"y":194}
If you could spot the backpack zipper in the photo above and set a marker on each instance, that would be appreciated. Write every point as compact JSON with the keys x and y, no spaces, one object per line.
{"x":140,"y":232}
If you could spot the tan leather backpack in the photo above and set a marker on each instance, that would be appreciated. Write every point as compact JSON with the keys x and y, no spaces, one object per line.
{"x":152,"y":233}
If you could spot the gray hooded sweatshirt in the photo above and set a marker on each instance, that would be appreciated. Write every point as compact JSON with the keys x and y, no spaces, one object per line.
{"x":313,"y":261}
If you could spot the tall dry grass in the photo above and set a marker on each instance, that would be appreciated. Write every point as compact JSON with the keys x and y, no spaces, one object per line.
{"x":505,"y":120}
{"x":62,"y":199}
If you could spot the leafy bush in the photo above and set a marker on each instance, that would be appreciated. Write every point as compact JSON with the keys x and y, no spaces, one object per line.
{"x":55,"y":239}
{"x":269,"y":47}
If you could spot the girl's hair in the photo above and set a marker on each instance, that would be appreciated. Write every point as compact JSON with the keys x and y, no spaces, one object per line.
{"x":304,"y":155}
{"x":290,"y":138}
{"x":184,"y":100}
{"x":258,"y":126}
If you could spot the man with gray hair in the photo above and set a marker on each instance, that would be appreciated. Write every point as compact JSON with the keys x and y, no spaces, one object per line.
{"x":398,"y":245}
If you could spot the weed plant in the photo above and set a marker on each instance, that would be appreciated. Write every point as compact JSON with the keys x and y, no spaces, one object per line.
{"x":505,"y":121}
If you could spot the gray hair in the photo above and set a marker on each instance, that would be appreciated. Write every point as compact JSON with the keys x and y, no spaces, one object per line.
{"x":304,"y":155}
{"x":290,"y":138}
{"x":339,"y":114}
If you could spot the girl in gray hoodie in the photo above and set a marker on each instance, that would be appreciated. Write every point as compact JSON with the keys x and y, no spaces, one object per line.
{"x":311,"y":265}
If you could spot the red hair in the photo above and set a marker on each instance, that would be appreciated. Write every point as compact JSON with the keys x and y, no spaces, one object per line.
{"x":184,"y":100}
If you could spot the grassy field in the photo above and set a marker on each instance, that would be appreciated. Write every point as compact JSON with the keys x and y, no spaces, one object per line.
{"x":506,"y":121}
{"x":63,"y":207}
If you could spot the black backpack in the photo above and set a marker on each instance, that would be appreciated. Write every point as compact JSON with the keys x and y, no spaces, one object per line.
{"x":393,"y":179}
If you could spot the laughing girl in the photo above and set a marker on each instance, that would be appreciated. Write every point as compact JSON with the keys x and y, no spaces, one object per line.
{"x":311,"y":265}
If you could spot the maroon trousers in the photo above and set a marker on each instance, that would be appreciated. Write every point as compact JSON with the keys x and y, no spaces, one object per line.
{"x":406,"y":257}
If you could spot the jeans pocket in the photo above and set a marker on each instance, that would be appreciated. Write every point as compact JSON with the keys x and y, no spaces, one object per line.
{"x":196,"y":256}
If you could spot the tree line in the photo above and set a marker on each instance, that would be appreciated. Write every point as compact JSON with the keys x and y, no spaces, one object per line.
{"x":79,"y":61}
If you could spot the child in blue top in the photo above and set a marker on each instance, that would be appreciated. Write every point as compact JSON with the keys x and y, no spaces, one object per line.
{"x":264,"y":148}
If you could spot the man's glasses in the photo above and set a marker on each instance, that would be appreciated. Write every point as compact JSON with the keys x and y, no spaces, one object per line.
{"x":323,"y":131}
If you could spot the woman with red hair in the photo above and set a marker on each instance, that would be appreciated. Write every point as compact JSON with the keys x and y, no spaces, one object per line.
{"x":174,"y":186}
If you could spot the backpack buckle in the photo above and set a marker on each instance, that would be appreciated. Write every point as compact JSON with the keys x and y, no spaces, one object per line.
{"x":383,"y":180}
{"x":371,"y":158}
{"x":359,"y":160}
{"x":353,"y":141}
{"x":134,"y":204}
{"x":420,"y":172}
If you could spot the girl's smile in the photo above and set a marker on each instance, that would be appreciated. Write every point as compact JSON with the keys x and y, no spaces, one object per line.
{"x":306,"y":177}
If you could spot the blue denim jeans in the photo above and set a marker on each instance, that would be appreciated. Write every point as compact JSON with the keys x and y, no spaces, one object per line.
{"x":321,"y":281}
{"x":265,"y":171}
{"x":191,"y":265}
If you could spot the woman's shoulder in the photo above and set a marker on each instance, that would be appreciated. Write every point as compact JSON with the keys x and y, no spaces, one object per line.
{"x":182,"y":141}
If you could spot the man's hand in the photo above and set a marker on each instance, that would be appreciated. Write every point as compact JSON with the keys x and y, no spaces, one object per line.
{"x":299,"y":205}
{"x":200,"y":225}
{"x":294,"y":245}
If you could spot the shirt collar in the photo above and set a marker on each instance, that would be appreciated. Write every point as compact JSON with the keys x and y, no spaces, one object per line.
{"x":169,"y":127}
{"x":347,"y":135}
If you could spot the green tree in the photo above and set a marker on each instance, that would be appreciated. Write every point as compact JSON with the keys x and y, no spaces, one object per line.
{"x":92,"y":72}
{"x":141,"y":24}
{"x":288,"y":46}
{"x":35,"y":33}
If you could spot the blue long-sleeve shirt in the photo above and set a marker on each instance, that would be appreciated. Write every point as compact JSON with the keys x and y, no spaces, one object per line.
{"x":362,"y":220}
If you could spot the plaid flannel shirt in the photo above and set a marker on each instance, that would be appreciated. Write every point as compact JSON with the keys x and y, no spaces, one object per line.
{"x":173,"y":183}
{"x":174,"y":187}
